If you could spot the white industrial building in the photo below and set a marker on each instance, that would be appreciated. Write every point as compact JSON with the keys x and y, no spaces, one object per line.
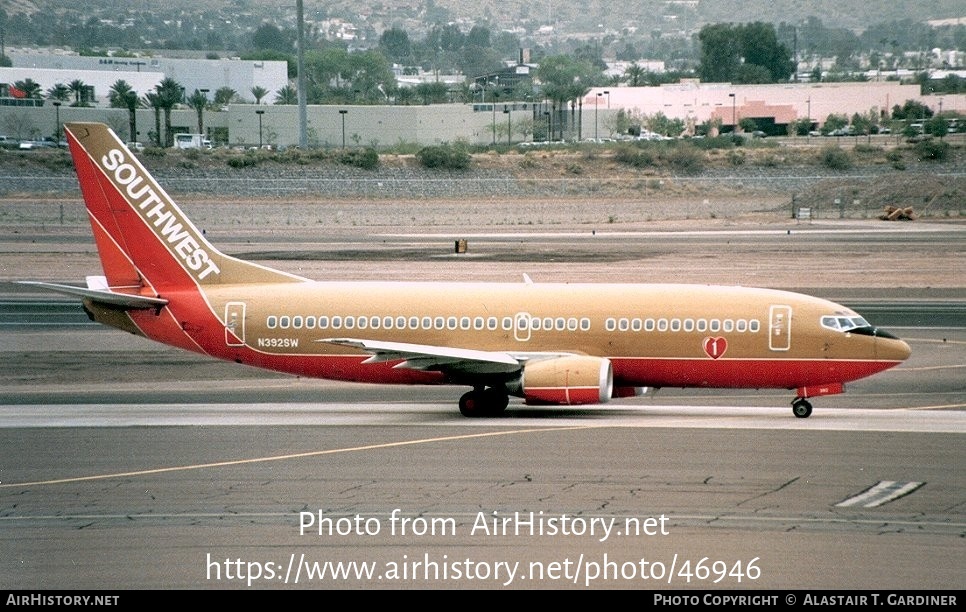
{"x":202,"y":74}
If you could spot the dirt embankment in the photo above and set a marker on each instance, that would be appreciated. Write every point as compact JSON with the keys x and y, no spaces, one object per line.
{"x":640,"y":184}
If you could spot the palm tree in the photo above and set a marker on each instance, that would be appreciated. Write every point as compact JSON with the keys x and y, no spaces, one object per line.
{"x":30,"y":88}
{"x":634,"y":75}
{"x":259,"y":93}
{"x":122,"y":95}
{"x":199,"y":101}
{"x":58,"y":92}
{"x":287,"y":95}
{"x":78,"y":87}
{"x":118,"y":95}
{"x":170,"y":93}
{"x":224,"y":95}
{"x":154,"y":99}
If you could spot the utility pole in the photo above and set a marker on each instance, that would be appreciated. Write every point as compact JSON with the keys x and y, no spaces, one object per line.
{"x":303,"y":114}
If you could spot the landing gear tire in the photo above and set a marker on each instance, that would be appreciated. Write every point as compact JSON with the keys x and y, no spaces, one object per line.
{"x":801,"y":408}
{"x":483,"y":403}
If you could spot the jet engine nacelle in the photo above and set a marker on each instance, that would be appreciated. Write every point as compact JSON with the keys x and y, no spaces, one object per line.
{"x":575,"y":379}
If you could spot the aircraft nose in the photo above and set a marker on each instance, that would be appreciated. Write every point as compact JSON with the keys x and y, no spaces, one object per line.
{"x":893,"y":349}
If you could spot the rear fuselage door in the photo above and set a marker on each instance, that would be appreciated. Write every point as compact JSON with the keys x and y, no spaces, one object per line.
{"x":235,"y":323}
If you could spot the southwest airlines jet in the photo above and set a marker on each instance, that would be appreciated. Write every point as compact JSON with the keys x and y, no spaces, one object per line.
{"x":546,"y":343}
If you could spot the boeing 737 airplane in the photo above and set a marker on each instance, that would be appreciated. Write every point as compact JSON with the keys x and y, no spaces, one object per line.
{"x":546,"y":343}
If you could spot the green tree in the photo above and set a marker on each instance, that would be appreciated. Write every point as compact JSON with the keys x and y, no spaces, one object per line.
{"x":4,"y":60}
{"x":122,"y":95}
{"x":862,"y":123}
{"x":287,"y":95}
{"x":59,"y":92}
{"x":564,"y":79}
{"x":395,"y":44}
{"x":760,"y":47}
{"x":634,"y":75}
{"x":432,"y":93}
{"x":199,"y":101}
{"x":258,"y":92}
{"x":720,"y":53}
{"x":834,"y":122}
{"x":79,"y":89}
{"x":748,"y":53}
{"x":154,"y":100}
{"x":225,"y":96}
{"x":170,"y":93}
{"x":335,"y":75}
{"x":118,"y":95}
{"x":911,"y":110}
{"x":30,"y":87}
{"x":269,"y":37}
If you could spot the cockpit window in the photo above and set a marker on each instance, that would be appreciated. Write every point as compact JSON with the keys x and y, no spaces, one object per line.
{"x":844,"y":324}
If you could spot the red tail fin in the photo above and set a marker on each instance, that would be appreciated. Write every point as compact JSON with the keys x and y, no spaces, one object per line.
{"x":143,"y":238}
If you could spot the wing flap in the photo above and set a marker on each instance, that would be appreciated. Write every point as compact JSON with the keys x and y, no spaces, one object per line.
{"x":430,"y":357}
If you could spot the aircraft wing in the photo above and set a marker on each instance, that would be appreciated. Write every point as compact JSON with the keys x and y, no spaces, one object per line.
{"x":103,"y":296}
{"x":430,"y":357}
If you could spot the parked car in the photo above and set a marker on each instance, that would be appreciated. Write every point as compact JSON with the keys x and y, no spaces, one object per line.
{"x":28,"y":145}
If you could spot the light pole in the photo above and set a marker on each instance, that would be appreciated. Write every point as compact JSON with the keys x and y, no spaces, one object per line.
{"x":493,"y":107}
{"x":734,"y":124}
{"x":259,"y":113}
{"x":506,"y":111}
{"x":596,"y":106}
{"x":343,"y":112}
{"x":57,"y":130}
{"x":132,"y":105}
{"x":808,"y":128}
{"x":201,"y":112}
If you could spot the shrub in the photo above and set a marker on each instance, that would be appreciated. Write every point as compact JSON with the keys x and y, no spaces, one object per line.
{"x":633,"y":156}
{"x":366,"y":158}
{"x":445,"y":156}
{"x":737,"y":158}
{"x":716,"y":142}
{"x":243,"y":161}
{"x":686,"y":159}
{"x":836,"y":158}
{"x":932,"y":149}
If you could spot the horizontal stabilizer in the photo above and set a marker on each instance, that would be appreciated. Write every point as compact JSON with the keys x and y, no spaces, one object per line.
{"x":124,"y":300}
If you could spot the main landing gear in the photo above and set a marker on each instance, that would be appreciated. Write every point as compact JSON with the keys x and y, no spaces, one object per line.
{"x":801,"y":407}
{"x":480,"y":402}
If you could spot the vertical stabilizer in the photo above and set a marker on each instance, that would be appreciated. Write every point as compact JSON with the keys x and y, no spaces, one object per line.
{"x":143,"y":237}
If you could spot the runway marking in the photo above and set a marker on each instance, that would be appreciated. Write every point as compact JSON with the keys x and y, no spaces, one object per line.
{"x":932,"y":368}
{"x":677,"y":520}
{"x":201,"y":466}
{"x":937,"y":407}
{"x":881,"y":493}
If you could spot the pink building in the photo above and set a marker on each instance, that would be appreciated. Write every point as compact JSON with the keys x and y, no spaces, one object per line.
{"x":691,"y":100}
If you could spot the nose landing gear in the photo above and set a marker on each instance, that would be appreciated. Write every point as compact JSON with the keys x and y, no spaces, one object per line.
{"x":801,"y":408}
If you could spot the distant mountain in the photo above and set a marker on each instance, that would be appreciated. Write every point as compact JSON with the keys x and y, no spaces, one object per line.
{"x":586,"y":16}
